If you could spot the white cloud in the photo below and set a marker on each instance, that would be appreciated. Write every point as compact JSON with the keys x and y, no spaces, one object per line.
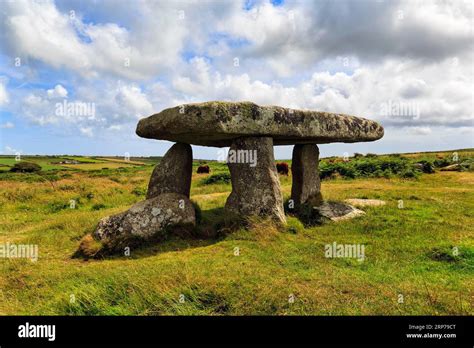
{"x":131,"y":99}
{"x":294,"y":36}
{"x":7,"y":125}
{"x":57,"y":92}
{"x":40,"y":31}
{"x":4,"y":99}
{"x":421,"y":130}
{"x":433,"y":94}
{"x":11,"y":151}
{"x":342,"y":56}
{"x":87,"y":131}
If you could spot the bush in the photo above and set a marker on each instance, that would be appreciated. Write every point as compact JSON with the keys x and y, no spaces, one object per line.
{"x":368,"y":167}
{"x":203,"y":169}
{"x":55,"y":207}
{"x":98,"y":206}
{"x":427,"y":167}
{"x":282,"y":168}
{"x":409,"y":174}
{"x":26,"y":167}
{"x":220,"y":178}
{"x":443,"y":162}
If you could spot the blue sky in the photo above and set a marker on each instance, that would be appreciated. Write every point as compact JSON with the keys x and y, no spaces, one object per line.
{"x":128,"y":60}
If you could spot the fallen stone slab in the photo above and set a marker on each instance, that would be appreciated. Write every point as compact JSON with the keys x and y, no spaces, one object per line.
{"x":145,"y":220}
{"x":337,"y":211}
{"x":219,"y":123}
{"x":358,"y":202}
{"x":452,"y":168}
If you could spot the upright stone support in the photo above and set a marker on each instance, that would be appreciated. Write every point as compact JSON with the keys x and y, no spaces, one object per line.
{"x":255,"y":183}
{"x":306,"y":186}
{"x":173,"y":173}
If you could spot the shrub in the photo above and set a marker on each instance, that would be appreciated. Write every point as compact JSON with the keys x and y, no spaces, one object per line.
{"x":26,"y":167}
{"x":55,"y":207}
{"x":367,"y":167}
{"x":98,"y":206}
{"x":443,"y":162}
{"x":282,"y":168}
{"x":203,"y":169}
{"x":427,"y":167}
{"x":409,"y":174}
{"x":220,"y":178}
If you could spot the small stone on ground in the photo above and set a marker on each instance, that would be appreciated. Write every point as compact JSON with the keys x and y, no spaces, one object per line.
{"x":359,"y":202}
{"x":337,"y":211}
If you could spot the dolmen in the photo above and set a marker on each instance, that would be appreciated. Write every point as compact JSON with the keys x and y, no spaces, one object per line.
{"x":250,"y":131}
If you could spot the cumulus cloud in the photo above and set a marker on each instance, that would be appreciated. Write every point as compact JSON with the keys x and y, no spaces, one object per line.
{"x":86,"y":131}
{"x":132,"y":99}
{"x":304,"y":32}
{"x":393,"y":93}
{"x":421,"y":130}
{"x":3,"y":94}
{"x":39,"y":31}
{"x":404,"y":63}
{"x":57,"y":92}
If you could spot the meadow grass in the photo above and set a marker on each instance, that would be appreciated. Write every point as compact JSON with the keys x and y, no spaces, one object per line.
{"x":409,"y":252}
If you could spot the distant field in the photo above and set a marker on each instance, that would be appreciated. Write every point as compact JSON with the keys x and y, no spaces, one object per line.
{"x":48,"y":163}
{"x":83,"y":159}
{"x":410,"y":251}
{"x":97,"y":166}
{"x":117,"y":160}
{"x":89,"y":163}
{"x":45,"y":162}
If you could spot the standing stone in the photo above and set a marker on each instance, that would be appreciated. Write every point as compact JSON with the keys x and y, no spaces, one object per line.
{"x":306,"y":187}
{"x":173,"y":173}
{"x":255,"y":183}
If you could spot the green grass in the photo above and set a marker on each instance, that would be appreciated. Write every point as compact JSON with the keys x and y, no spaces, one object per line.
{"x":409,"y":251}
{"x":43,"y":161}
{"x":51,"y":163}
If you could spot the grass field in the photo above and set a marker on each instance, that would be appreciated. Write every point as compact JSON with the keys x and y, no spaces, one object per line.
{"x":49,"y":163}
{"x":410,"y":266}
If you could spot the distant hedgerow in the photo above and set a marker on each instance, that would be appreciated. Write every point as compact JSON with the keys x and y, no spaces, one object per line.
{"x":219,"y":178}
{"x":370,"y":167}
